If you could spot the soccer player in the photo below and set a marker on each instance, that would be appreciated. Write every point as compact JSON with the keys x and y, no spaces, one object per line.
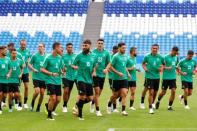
{"x":110,"y":76}
{"x":169,"y":77}
{"x":132,"y":71}
{"x":118,"y":65}
{"x":10,"y":47}
{"x":84,"y":63}
{"x":52,"y":67}
{"x":186,"y":68}
{"x":38,"y":77}
{"x":4,"y":73}
{"x":103,"y":59}
{"x":16,"y":68}
{"x":152,"y":65}
{"x":69,"y":78}
{"x":25,"y":77}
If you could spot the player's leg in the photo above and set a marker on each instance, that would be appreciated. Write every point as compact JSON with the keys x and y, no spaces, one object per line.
{"x":5,"y":93}
{"x":25,"y":79}
{"x":96,"y":93}
{"x":150,"y":84}
{"x":52,"y":100}
{"x":142,"y":106}
{"x":10,"y":98}
{"x":123,"y":94}
{"x":155,"y":84}
{"x":18,"y":97}
{"x":42,"y":91}
{"x":35,"y":95}
{"x":164,"y":88}
{"x":65,"y":94}
{"x":77,"y":110}
{"x":171,"y":99}
{"x":58,"y":94}
{"x":185,"y":95}
{"x":132,"y":86}
{"x":114,"y":96}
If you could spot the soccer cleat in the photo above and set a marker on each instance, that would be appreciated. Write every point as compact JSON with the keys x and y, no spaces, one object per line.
{"x":132,"y":108}
{"x":10,"y":110}
{"x":54,"y":113}
{"x":181,"y":99}
{"x":142,"y":106}
{"x":3,"y":104}
{"x":187,"y":107}
{"x":75,"y":110}
{"x":1,"y":112}
{"x":19,"y":108}
{"x":25,"y":106}
{"x":157,"y":105}
{"x":31,"y":109}
{"x":153,"y":105}
{"x":16,"y":106}
{"x":91,"y":107}
{"x":98,"y":113}
{"x":115,"y":111}
{"x":81,"y":118}
{"x":50,"y":118}
{"x":170,"y":108}
{"x":124,"y":113}
{"x":37,"y":110}
{"x":109,"y":110}
{"x":46,"y":108}
{"x":151,"y":111}
{"x":64,"y":109}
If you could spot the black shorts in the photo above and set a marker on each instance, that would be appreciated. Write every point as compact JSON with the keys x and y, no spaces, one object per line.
{"x":85,"y":89}
{"x":39,"y":83}
{"x":186,"y":84}
{"x":132,"y":83}
{"x":54,"y":89}
{"x":119,"y":84}
{"x":68,"y":83}
{"x":111,"y":84}
{"x":25,"y":77}
{"x":13,"y":87}
{"x":168,"y":83}
{"x":4,"y":87}
{"x":98,"y":82}
{"x":152,"y":83}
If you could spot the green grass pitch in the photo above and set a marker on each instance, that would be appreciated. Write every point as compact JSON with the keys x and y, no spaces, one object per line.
{"x":180,"y":119}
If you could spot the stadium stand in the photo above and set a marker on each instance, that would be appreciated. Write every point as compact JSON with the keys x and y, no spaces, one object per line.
{"x":42,"y":21}
{"x":141,"y":23}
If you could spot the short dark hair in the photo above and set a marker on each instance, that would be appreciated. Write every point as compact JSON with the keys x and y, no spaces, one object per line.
{"x":100,"y":40}
{"x":42,"y":44}
{"x":12,"y":50}
{"x":155,"y":45}
{"x":115,"y":47}
{"x":22,"y":40}
{"x":175,"y":48}
{"x":121,"y":44}
{"x":2,"y":47}
{"x":10,"y":44}
{"x":87,"y":42}
{"x":190,"y":52}
{"x":132,"y":49}
{"x":69,"y":44}
{"x":55,"y":44}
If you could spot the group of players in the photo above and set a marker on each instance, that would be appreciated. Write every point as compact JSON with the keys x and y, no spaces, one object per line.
{"x":88,"y":70}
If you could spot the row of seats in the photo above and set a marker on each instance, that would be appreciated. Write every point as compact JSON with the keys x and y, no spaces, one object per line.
{"x":46,"y":8}
{"x":150,"y":8}
{"x":41,"y":1}
{"x":144,"y":42}
{"x":33,"y":41}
